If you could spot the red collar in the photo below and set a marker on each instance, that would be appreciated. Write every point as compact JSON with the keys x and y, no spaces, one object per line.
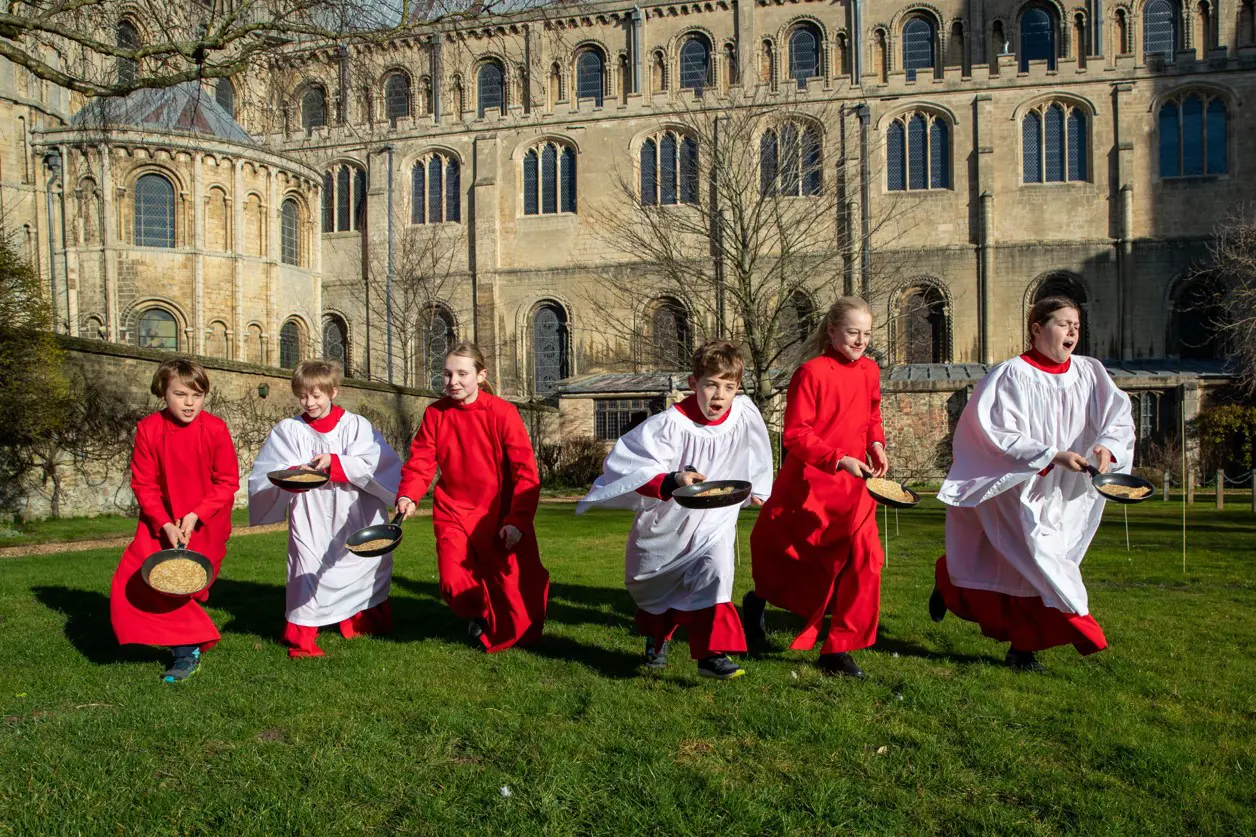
{"x":689,"y":407}
{"x":841,"y":356}
{"x":328,"y":422}
{"x":1038,"y":360}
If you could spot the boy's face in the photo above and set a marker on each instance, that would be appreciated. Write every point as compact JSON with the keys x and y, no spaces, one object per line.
{"x":715,"y":393}
{"x":317,"y":403}
{"x":462,"y":381}
{"x":852,"y":337}
{"x":183,"y":401}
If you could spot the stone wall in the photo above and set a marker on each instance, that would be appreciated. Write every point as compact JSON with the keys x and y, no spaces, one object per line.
{"x":251,"y":399}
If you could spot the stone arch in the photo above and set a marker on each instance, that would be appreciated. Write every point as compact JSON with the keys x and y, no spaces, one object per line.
{"x":1195,"y":312}
{"x":1061,"y":283}
{"x":921,"y":312}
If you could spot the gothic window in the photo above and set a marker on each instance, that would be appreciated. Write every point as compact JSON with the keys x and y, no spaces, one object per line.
{"x":336,"y":339}
{"x":1054,"y":147}
{"x":438,"y":338}
{"x":549,"y":179}
{"x":790,"y":160}
{"x":590,"y":75}
{"x":918,"y":152}
{"x":1194,"y":136}
{"x":919,"y":39}
{"x":804,"y":54}
{"x":157,"y":329}
{"x":491,"y":85}
{"x":669,"y":170}
{"x":549,"y":348}
{"x":344,"y":198}
{"x":435,"y":190}
{"x":154,"y":211}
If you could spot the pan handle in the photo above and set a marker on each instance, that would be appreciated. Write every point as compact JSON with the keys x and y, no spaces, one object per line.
{"x":396,"y":518}
{"x":1092,"y":470}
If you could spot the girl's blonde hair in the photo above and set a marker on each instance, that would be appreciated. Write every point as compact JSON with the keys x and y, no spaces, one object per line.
{"x":468,"y":349}
{"x":819,"y":339}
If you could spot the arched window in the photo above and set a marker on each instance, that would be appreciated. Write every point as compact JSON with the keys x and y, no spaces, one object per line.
{"x":1194,"y":136}
{"x":1196,"y":326}
{"x":550,"y":362}
{"x":804,"y":54}
{"x":1037,"y":37}
{"x":491,"y":85}
{"x":1065,"y":285}
{"x":1054,"y":147}
{"x":290,"y":232}
{"x":336,"y":339}
{"x":549,"y":179}
{"x":289,"y":345}
{"x":438,"y":338}
{"x":1160,"y":27}
{"x":396,"y":96}
{"x":157,"y":329}
{"x":671,"y":338}
{"x":695,"y":63}
{"x":154,"y":211}
{"x":254,"y":345}
{"x":918,"y":152}
{"x":224,"y":95}
{"x":313,"y":108}
{"x":669,"y":170}
{"x":435,"y":190}
{"x":128,"y":38}
{"x":790,"y":161}
{"x":922,"y":327}
{"x":344,"y":198}
{"x":590,"y":75}
{"x":919,"y":39}
{"x":216,"y":344}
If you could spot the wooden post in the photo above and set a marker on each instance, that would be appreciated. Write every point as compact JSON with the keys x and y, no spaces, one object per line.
{"x":1220,"y":489}
{"x":1165,"y":485}
{"x":1190,"y":487}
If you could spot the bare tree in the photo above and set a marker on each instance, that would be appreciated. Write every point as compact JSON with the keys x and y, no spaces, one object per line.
{"x":1229,"y":273}
{"x":739,"y":219}
{"x":112,"y":47}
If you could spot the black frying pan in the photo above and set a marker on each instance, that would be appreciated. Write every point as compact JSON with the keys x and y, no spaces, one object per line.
{"x":170,"y":554}
{"x":283,"y":479}
{"x":893,"y":502}
{"x":391,"y":530}
{"x":1128,"y":480}
{"x":690,"y":498}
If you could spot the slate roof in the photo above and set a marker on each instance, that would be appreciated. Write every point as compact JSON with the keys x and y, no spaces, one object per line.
{"x":187,"y":107}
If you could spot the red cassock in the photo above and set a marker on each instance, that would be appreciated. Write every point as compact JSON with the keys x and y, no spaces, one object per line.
{"x":175,"y":469}
{"x":815,"y":546}
{"x":488,"y":479}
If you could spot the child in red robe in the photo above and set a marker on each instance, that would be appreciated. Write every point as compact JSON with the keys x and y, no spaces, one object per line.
{"x":483,"y":507}
{"x":815,"y":547}
{"x":184,"y":474}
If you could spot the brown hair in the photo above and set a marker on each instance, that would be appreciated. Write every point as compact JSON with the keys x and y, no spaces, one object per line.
{"x":320,"y":374}
{"x":719,"y":358}
{"x":1043,"y":309}
{"x":819,"y":339}
{"x":186,"y":370}
{"x":468,"y":349}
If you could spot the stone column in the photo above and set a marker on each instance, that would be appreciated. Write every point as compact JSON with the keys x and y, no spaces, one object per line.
{"x":197,"y":343}
{"x":236,"y":236}
{"x":108,"y":203}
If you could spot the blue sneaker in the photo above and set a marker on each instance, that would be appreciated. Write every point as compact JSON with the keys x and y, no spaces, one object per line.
{"x":183,"y":667}
{"x":720,"y":667}
{"x":656,"y":657}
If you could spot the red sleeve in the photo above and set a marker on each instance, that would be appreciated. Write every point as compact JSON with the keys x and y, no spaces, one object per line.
{"x":145,"y":483}
{"x":522,"y":463}
{"x":876,"y":432}
{"x":337,"y":470}
{"x":653,"y":488}
{"x":224,"y":474}
{"x":801,"y":410}
{"x":420,"y":468}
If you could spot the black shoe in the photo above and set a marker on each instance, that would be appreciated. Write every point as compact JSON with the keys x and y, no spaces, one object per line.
{"x":753,"y":621}
{"x":476,"y":628}
{"x":720,"y":667}
{"x":1023,"y":661}
{"x":842,"y":664}
{"x":937,"y":605}
{"x":656,"y":658}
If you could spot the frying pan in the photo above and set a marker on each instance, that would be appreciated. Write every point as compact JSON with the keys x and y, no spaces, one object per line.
{"x":170,"y":554}
{"x":283,"y":479}
{"x":1128,"y":480}
{"x":891,"y":501}
{"x":391,"y":530}
{"x":688,"y":496}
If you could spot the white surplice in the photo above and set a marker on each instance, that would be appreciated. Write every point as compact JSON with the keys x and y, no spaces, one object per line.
{"x":677,"y":557}
{"x":326,"y":582}
{"x":1008,"y":529}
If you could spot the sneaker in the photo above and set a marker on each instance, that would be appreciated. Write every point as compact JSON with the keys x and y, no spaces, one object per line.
{"x":752,"y":618}
{"x":937,"y":605}
{"x":183,"y":667}
{"x":656,"y":657}
{"x":842,"y":664}
{"x":476,"y":628}
{"x":720,"y":667}
{"x":1023,"y":661}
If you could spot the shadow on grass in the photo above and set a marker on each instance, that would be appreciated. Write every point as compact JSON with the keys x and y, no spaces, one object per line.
{"x":887,"y":644}
{"x":88,"y":628}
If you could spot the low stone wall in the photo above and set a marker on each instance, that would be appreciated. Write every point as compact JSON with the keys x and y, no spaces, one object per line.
{"x":251,"y":399}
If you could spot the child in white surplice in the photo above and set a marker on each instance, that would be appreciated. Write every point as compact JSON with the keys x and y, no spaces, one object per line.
{"x":328,"y":584}
{"x":679,"y":562}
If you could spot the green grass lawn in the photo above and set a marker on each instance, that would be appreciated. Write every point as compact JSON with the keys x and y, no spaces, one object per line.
{"x":419,"y":733}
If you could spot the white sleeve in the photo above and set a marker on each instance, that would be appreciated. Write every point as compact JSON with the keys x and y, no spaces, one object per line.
{"x":992,"y":449}
{"x":1111,"y":420}
{"x":759,"y":445}
{"x":267,"y":502}
{"x":369,"y":462}
{"x":639,"y":456}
